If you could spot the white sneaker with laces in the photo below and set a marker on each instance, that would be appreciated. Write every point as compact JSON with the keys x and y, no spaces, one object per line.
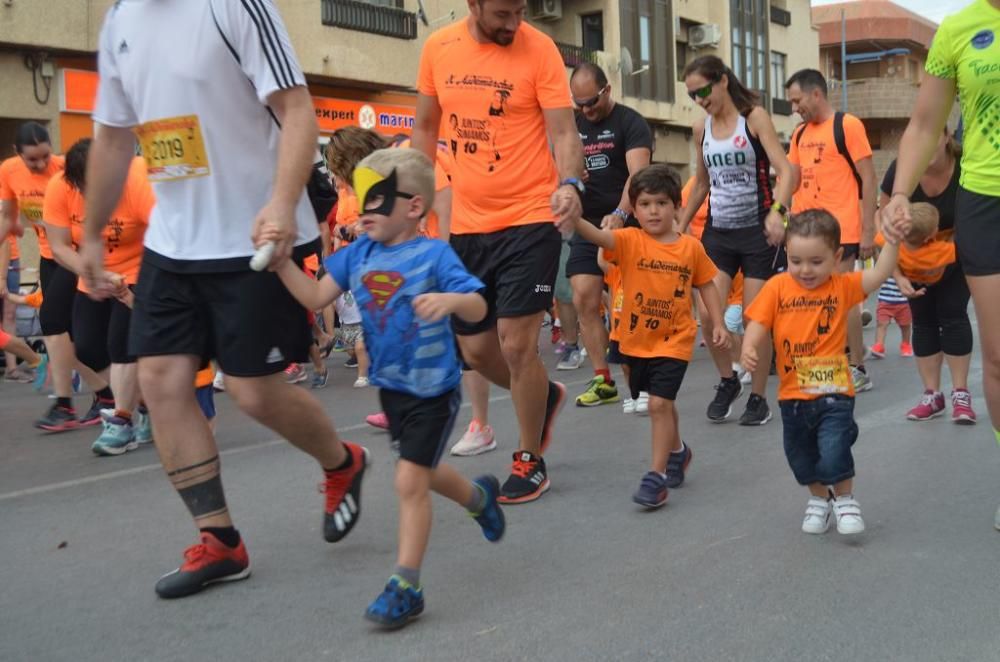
{"x":628,"y":406}
{"x":477,"y":439}
{"x":361,"y":382}
{"x":848,"y":512}
{"x":817,"y":519}
{"x":642,"y":404}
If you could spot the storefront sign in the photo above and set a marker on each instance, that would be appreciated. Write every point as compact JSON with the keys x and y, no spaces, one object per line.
{"x":333,"y":114}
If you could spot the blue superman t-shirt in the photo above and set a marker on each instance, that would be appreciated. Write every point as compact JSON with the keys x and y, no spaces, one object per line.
{"x":408,"y":354}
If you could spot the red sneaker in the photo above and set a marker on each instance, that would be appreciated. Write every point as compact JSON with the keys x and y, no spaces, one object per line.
{"x":931,"y":406}
{"x":905,"y":349}
{"x":343,"y":495}
{"x":206,"y":563}
{"x":877,"y":350}
{"x":961,"y":407}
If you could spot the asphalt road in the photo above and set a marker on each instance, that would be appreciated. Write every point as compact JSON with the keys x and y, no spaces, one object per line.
{"x":721,"y":573}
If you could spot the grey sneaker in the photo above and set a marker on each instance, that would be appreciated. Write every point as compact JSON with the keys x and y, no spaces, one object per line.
{"x":862,"y":382}
{"x":757,"y":411}
{"x":572,"y":359}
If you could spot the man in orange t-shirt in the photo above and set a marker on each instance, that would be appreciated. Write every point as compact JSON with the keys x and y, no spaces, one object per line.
{"x":844,"y":185}
{"x":497,"y":88}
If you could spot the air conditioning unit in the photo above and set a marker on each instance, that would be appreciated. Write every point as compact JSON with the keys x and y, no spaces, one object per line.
{"x":704,"y":36}
{"x":546,"y":10}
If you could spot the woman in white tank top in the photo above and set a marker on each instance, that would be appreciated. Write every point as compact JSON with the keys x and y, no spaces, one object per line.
{"x":736,"y":147}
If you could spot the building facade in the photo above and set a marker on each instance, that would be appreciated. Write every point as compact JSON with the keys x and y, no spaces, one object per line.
{"x":361,"y":57}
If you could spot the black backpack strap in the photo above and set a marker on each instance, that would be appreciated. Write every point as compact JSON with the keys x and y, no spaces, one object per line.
{"x":841,"y":140}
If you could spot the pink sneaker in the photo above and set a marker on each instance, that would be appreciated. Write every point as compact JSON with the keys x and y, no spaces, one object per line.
{"x":905,"y":349}
{"x":961,"y":408}
{"x":931,"y":406}
{"x":877,"y":350}
{"x":378,"y":420}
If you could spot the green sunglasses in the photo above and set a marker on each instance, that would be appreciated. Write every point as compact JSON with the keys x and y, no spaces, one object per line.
{"x":701,"y":92}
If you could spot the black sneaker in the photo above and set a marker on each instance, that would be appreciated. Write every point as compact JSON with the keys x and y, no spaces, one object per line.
{"x":58,"y":419}
{"x":528,"y":479}
{"x":677,"y":464}
{"x":757,"y":411}
{"x":93,"y":415}
{"x":351,"y":362}
{"x":726,"y":392}
{"x":208,"y":562}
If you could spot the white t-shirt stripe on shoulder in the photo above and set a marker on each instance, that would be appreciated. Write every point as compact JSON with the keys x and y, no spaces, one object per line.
{"x":274,"y":48}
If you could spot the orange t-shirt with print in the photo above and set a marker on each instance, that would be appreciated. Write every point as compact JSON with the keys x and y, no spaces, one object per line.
{"x":347,"y":207}
{"x":925,"y":265}
{"x":827,"y":180}
{"x":123,"y":235}
{"x":492,"y":98}
{"x":26,"y":190}
{"x":697,"y":225}
{"x":736,"y":291}
{"x":810,"y":333}
{"x":613,"y":279}
{"x":656,"y":319}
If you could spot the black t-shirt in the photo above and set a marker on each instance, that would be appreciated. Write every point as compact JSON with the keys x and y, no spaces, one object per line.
{"x":945,"y":203}
{"x":604,"y":148}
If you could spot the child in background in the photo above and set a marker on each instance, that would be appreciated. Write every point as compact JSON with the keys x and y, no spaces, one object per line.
{"x":806,"y":308}
{"x":659,"y":269}
{"x":613,"y":279}
{"x":734,"y":324}
{"x":892,"y":305}
{"x":406,"y":286}
{"x":352,"y":337}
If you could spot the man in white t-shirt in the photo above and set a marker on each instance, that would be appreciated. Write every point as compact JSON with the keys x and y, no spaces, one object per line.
{"x":225,"y":122}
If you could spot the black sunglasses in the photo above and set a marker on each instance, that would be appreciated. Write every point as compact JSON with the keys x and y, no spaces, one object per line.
{"x":701,"y":92}
{"x":592,"y":101}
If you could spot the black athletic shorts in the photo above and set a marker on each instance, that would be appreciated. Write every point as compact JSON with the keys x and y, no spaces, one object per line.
{"x":744,"y":249}
{"x":58,"y":291}
{"x":582,"y":259}
{"x":977,"y":233}
{"x":615,"y":356}
{"x":246,"y":320}
{"x":420,"y":427}
{"x":851,"y":251}
{"x":661,"y":377}
{"x":518,"y":266}
{"x":100,"y":332}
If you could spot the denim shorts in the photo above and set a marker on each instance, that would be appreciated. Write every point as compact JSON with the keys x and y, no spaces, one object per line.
{"x":818,"y":437}
{"x":734,"y":319}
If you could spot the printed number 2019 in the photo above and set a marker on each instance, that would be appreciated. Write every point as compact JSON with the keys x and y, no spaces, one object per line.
{"x":168,"y":149}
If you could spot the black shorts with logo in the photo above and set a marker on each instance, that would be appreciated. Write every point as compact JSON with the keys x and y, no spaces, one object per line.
{"x":518,"y":265}
{"x":661,"y":377}
{"x":246,"y":320}
{"x":58,"y":293}
{"x":977,"y":233}
{"x":743,"y":249}
{"x":420,"y":427}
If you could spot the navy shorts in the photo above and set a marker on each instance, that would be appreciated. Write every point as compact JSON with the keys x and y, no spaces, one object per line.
{"x":420,"y":427}
{"x":205,"y":395}
{"x":818,"y":436}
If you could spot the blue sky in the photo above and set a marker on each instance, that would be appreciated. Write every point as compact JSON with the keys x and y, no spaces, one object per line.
{"x":935,"y":10}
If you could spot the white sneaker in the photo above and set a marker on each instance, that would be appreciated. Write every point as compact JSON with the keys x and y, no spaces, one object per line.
{"x":361,"y":382}
{"x":642,"y":404}
{"x":848,"y":512}
{"x":817,"y":519}
{"x":628,"y":407}
{"x":477,"y":439}
{"x":572,"y":359}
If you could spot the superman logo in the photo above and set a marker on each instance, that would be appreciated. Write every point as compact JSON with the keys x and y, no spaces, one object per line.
{"x":382,"y":285}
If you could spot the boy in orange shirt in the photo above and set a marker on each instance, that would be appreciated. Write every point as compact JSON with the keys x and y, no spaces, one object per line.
{"x":807,"y":308}
{"x":659,"y":269}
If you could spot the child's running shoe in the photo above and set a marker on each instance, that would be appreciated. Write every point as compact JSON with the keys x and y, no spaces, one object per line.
{"x":862,"y":382}
{"x":528,"y":479}
{"x":490,"y":518}
{"x":961,"y":407}
{"x":598,"y":393}
{"x":351,"y":362}
{"x":399,"y":603}
{"x":931,"y":406}
{"x":905,"y":349}
{"x":319,"y":379}
{"x":817,"y":519}
{"x":642,"y":404}
{"x":477,"y":439}
{"x":295,"y":373}
{"x":757,"y":411}
{"x":726,"y":393}
{"x":343,"y":494}
{"x":652,"y":492}
{"x":677,"y":464}
{"x":848,"y":513}
{"x":378,"y":420}
{"x":571,"y":358}
{"x":877,"y":350}
{"x":208,"y":562}
{"x":628,"y":406}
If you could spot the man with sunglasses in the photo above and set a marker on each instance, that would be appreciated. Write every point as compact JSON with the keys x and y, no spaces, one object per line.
{"x":617,"y":142}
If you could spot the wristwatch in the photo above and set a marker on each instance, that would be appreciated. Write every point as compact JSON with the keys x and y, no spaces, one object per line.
{"x":780,"y":208}
{"x":620,"y":213}
{"x":576,"y":184}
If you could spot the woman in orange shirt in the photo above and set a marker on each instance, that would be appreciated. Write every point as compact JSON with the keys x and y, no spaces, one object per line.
{"x":23,"y":179}
{"x":101,"y":327}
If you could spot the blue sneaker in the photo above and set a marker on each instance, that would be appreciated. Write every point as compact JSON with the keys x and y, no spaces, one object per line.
{"x":652,"y":492}
{"x":677,"y":464}
{"x":41,"y":373}
{"x":399,"y":603}
{"x":117,"y":438}
{"x":491,"y":516}
{"x":143,"y":428}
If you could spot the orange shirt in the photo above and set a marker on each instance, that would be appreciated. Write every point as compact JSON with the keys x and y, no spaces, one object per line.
{"x":925,"y":265}
{"x":204,"y":377}
{"x":492,"y":98}
{"x":810,"y":333}
{"x":827,"y":181}
{"x":613,"y":279}
{"x":656,"y":280}
{"x":347,"y":206}
{"x":11,"y":240}
{"x":64,"y":207}
{"x":443,"y":166}
{"x":736,"y":291}
{"x":697,"y":225}
{"x":26,"y":190}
